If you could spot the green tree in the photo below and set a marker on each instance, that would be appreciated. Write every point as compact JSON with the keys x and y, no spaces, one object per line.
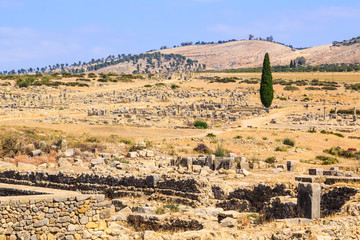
{"x":266,"y":85}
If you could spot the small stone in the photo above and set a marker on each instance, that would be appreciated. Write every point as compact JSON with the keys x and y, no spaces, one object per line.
{"x":229,"y":222}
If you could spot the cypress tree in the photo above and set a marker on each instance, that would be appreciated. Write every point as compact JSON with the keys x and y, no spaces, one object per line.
{"x":266,"y":85}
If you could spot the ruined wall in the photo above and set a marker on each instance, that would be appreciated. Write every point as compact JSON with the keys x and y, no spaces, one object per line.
{"x":76,"y":217}
{"x":333,"y":199}
{"x":187,"y":190}
{"x":254,"y":199}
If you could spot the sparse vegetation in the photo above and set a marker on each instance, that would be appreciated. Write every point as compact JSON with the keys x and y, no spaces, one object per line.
{"x":211,"y":135}
{"x":220,"y":151}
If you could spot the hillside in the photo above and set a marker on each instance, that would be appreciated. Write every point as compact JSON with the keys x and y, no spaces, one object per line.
{"x":242,"y":54}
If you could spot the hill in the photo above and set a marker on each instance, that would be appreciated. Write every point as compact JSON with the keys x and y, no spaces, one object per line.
{"x":250,"y":53}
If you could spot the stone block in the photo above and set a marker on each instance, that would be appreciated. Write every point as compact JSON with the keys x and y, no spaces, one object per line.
{"x":152,"y":180}
{"x":25,"y":166}
{"x":308,"y":200}
{"x":36,"y":152}
{"x":132,"y":155}
{"x":290,"y":166}
{"x":244,"y":165}
{"x":316,"y":171}
{"x":231,"y":155}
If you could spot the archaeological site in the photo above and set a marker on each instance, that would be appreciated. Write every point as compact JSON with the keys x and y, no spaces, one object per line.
{"x":247,"y":138}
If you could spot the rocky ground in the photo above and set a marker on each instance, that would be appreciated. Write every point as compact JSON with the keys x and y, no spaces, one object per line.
{"x":159,"y":173}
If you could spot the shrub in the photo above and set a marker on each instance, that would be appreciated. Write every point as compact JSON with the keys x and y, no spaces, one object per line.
{"x":289,"y":142}
{"x":327,"y":160}
{"x":11,"y":145}
{"x":270,"y":160}
{"x":202,"y":148}
{"x":174,"y":86}
{"x":211,"y":135}
{"x":280,"y":149}
{"x":172,"y":207}
{"x":200,"y":125}
{"x":337,"y":151}
{"x":238,"y":137}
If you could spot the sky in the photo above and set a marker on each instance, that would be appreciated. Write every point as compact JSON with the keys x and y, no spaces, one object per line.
{"x":38,"y":33}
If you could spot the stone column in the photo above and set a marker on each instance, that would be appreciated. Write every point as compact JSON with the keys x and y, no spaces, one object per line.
{"x":336,"y":115}
{"x":290,"y":166}
{"x":354,"y":117}
{"x":308,"y":200}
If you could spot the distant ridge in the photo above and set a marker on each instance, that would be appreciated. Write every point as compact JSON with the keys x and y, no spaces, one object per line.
{"x":250,"y":53}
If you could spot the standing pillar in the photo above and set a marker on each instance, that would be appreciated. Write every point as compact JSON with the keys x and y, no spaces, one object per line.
{"x":308,"y":200}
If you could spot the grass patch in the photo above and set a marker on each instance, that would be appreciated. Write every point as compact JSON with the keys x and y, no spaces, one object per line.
{"x":281,"y":149}
{"x":220,"y":151}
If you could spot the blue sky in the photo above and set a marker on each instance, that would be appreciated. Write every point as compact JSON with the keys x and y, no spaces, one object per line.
{"x":36,"y":33}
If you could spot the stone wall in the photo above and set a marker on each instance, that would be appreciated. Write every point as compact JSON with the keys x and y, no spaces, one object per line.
{"x":72,"y":217}
{"x":186,"y":190}
{"x":252,"y":199}
{"x":333,"y":199}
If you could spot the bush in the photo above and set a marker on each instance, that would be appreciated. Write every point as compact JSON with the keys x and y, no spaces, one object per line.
{"x":270,"y":160}
{"x":238,"y":137}
{"x":220,"y":151}
{"x":202,"y":148}
{"x":289,"y":142}
{"x":200,"y":125}
{"x":211,"y":135}
{"x":11,"y":145}
{"x":174,"y":86}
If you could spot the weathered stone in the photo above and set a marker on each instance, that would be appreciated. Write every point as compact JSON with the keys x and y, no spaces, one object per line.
{"x":132,"y":155}
{"x":36,"y":152}
{"x":290,"y":166}
{"x":97,"y":161}
{"x":229,"y":222}
{"x":84,"y":220}
{"x":308,"y":200}
{"x":25,"y":166}
{"x":315,"y":171}
{"x":41,"y":223}
{"x":152,"y":180}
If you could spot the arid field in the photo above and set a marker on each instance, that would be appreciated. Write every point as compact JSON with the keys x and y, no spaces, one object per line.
{"x":185,"y":159}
